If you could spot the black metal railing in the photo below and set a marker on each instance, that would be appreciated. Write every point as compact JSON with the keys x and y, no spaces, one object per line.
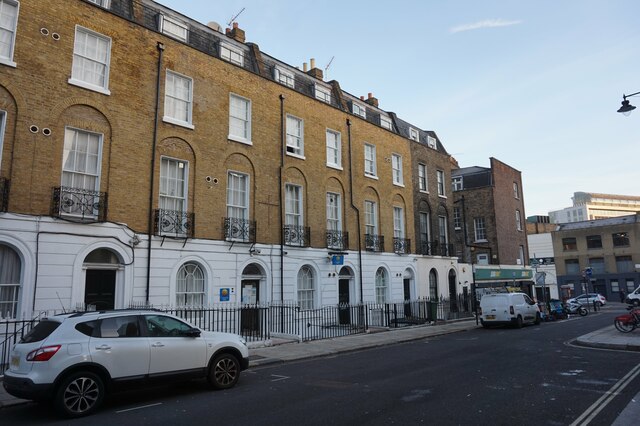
{"x":4,"y":194}
{"x":174,"y":223}
{"x":239,"y":230}
{"x":374,"y":242}
{"x":297,"y":235}
{"x":401,"y":245}
{"x":78,"y":203}
{"x":434,"y":248}
{"x":338,"y":240}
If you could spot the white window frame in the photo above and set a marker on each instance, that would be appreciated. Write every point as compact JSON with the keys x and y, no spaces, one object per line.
{"x":334,"y":212}
{"x":456,"y":183}
{"x":414,"y":134}
{"x":516,"y":191}
{"x":370,"y":168}
{"x":241,"y":116}
{"x":295,"y":136}
{"x":12,"y":29}
{"x":3,"y":125}
{"x":284,"y":77}
{"x":231,"y":54}
{"x":385,"y":122}
{"x":398,"y":222}
{"x":12,"y":289}
{"x":479,"y":229}
{"x":425,"y":227}
{"x":358,"y":110}
{"x":521,"y":255}
{"x":238,"y":195}
{"x":457,"y":218}
{"x":440,"y":179}
{"x":431,"y":142}
{"x":422,"y":178}
{"x":173,"y":28}
{"x":168,"y":198}
{"x":334,"y":149}
{"x":518,"y":220}
{"x":102,"y":3}
{"x":443,"y":233}
{"x":293,"y":205}
{"x":190,"y":285}
{"x":382,"y":285}
{"x":174,"y":99}
{"x":396,"y":169}
{"x":306,"y":284}
{"x":323,"y":93}
{"x":78,"y":58}
{"x":370,"y":217}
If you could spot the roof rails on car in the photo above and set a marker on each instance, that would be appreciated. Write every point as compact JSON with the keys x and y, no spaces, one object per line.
{"x":105,"y":311}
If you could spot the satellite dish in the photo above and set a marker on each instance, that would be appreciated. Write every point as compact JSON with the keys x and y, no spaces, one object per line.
{"x":215,"y":26}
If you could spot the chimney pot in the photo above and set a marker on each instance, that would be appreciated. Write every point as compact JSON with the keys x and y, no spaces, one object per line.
{"x":235,"y":25}
{"x":370,"y":95}
{"x":362,"y":98}
{"x":313,"y":63}
{"x":305,"y":67}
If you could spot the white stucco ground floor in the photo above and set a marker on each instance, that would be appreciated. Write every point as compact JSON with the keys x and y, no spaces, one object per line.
{"x":49,"y":264}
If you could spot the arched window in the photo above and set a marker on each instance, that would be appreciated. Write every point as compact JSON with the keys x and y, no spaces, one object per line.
{"x":10,"y":267}
{"x":382,"y":284}
{"x":190,"y":285}
{"x":306,"y":288}
{"x":433,"y":285}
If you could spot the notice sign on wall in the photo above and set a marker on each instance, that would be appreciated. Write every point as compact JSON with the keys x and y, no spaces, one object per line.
{"x":224,"y":294}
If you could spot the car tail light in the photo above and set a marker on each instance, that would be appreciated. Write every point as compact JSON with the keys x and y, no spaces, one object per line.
{"x":511,"y":310}
{"x":43,"y":354}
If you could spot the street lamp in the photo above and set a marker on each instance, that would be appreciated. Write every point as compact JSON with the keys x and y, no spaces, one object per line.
{"x":626,"y":107}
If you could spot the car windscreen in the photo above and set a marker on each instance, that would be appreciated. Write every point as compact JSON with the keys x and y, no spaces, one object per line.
{"x":41,"y":331}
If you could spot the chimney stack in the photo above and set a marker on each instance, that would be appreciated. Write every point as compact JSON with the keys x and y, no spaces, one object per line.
{"x":235,"y":33}
{"x":305,"y":67}
{"x":315,"y":72}
{"x":371,"y":100}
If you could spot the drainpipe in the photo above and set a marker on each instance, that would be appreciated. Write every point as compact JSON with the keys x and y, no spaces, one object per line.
{"x":281,"y":221}
{"x":353,"y":206}
{"x":153,"y":167}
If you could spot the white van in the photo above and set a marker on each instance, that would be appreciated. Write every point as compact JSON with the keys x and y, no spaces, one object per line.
{"x":508,"y":308}
{"x":633,"y":298}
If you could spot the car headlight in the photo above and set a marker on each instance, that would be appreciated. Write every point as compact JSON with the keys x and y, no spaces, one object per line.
{"x":243,"y":341}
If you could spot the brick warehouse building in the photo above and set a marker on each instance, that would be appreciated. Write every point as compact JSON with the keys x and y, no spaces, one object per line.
{"x":147,"y":158}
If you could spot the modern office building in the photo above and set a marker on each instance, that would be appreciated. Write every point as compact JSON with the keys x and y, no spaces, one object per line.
{"x":590,"y":206}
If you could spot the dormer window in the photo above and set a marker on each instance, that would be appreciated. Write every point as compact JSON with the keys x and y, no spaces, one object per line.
{"x":431,"y":142}
{"x":323,"y":94}
{"x":414,"y":134}
{"x":386,"y":122}
{"x":231,"y":54}
{"x":284,"y":77}
{"x":358,"y":109}
{"x":173,"y":28}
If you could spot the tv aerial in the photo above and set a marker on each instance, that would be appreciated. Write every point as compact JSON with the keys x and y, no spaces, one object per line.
{"x":233,"y":18}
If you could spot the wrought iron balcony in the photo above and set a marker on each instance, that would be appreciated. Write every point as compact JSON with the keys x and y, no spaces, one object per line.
{"x":434,"y":248}
{"x":239,"y":230}
{"x":374,"y":242}
{"x":80,"y":204}
{"x":174,"y":223}
{"x":401,"y":245}
{"x":297,"y":235}
{"x":337,"y":240}
{"x":4,"y":194}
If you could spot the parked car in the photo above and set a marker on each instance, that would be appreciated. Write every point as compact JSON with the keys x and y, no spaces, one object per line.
{"x":588,"y":299}
{"x":74,"y":359}
{"x":633,"y":298}
{"x":508,"y":308}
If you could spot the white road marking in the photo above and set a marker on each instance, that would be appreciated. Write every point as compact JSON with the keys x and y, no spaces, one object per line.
{"x":139,"y":408}
{"x":278,"y":377}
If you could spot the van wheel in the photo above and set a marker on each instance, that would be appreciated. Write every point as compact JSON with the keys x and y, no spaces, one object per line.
{"x":538,"y":319}
{"x":484,"y":324}
{"x":79,"y":394}
{"x":519,"y":322}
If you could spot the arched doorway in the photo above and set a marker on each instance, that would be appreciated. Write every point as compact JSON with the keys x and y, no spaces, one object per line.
{"x":10,"y":281}
{"x":433,"y":285}
{"x":453,"y":291}
{"x":101,"y":266}
{"x":252,"y":278}
{"x":407,"y":285}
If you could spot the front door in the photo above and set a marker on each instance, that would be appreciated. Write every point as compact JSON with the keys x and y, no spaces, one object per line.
{"x":100,"y":288}
{"x":250,"y":316}
{"x":407,"y":296}
{"x":453,"y":294}
{"x":343,"y":300}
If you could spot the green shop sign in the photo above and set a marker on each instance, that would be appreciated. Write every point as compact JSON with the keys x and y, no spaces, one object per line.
{"x":495,"y":274}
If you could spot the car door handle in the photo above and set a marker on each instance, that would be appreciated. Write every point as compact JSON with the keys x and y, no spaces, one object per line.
{"x":103,"y":348}
{"x":157,"y":345}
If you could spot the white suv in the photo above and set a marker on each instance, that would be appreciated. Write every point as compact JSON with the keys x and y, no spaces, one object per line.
{"x":75,"y":359}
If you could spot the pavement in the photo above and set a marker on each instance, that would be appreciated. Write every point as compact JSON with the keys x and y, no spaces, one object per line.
{"x":279,"y":350}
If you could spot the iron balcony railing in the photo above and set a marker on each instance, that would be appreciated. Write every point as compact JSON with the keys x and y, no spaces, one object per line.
{"x":297,"y":235}
{"x":374,"y":242}
{"x":174,"y":223}
{"x":338,"y":240}
{"x":239,"y":230}
{"x":434,"y":248}
{"x":4,"y":194}
{"x":401,"y":245}
{"x":81,"y":204}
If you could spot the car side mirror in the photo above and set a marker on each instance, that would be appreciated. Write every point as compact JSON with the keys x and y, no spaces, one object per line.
{"x":192,"y":332}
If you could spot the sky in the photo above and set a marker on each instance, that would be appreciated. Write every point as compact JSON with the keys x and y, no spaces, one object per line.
{"x":535,"y":84}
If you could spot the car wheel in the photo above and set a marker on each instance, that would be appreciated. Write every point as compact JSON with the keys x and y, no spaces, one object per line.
{"x":224,"y":371}
{"x":79,"y":394}
{"x":519,"y":322}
